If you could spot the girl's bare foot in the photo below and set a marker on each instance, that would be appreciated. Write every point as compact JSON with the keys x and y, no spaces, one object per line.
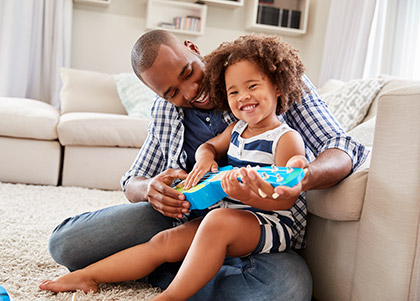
{"x":70,"y":282}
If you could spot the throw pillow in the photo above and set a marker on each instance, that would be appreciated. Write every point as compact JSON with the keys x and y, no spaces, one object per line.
{"x":364,"y":132}
{"x":135,"y":96}
{"x":350,"y":103}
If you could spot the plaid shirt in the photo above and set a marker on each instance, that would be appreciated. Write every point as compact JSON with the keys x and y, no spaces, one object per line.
{"x":320,"y":130}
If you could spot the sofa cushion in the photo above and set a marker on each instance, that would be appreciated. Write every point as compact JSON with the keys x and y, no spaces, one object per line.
{"x":100,"y":129}
{"x":342,"y":202}
{"x":89,"y":91}
{"x":27,"y":118}
{"x":350,"y":103}
{"x":135,"y":96}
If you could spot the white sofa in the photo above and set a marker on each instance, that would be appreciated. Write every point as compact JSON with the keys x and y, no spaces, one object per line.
{"x":362,"y":235}
{"x":90,"y":143}
{"x":100,"y":141}
{"x":29,"y":149}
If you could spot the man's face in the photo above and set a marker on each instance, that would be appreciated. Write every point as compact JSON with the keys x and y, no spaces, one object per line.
{"x":177,"y":75}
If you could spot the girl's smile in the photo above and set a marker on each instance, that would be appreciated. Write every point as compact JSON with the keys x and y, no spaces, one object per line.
{"x":251,"y":95}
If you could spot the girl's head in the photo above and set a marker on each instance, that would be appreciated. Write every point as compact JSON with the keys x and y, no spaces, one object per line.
{"x":251,"y":95}
{"x":277,"y":60}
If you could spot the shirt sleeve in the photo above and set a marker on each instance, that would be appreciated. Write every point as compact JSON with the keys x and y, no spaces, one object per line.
{"x":320,"y":130}
{"x":150,"y":160}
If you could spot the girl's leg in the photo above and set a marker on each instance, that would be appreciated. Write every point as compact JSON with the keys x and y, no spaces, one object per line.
{"x":133,"y":263}
{"x":222,"y":231}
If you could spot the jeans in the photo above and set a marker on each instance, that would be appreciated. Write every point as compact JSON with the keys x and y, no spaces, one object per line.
{"x":86,"y":238}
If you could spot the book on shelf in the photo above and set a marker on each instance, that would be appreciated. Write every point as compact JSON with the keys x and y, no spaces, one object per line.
{"x":271,"y":15}
{"x":268,"y":15}
{"x":295,"y":20}
{"x":189,"y":23}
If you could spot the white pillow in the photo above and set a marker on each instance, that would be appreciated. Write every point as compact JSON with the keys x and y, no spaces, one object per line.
{"x":364,"y":132}
{"x":89,"y":91}
{"x":350,"y":103}
{"x":135,"y":96}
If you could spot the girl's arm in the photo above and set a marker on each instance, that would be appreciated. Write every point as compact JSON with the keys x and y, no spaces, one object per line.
{"x":206,"y":156}
{"x":289,"y":145}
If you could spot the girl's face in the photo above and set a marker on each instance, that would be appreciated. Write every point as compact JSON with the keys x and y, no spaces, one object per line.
{"x":251,"y":95}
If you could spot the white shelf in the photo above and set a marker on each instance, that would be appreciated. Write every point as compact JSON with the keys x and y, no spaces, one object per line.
{"x":94,"y":2}
{"x":165,"y":11}
{"x":225,"y":3}
{"x":300,"y":5}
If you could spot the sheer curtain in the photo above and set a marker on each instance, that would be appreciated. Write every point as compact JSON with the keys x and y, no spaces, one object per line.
{"x":367,"y":38}
{"x":35,"y":39}
{"x":346,"y":39}
{"x":394,"y":47}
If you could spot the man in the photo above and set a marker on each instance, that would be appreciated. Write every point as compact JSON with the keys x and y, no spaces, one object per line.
{"x":183,"y":118}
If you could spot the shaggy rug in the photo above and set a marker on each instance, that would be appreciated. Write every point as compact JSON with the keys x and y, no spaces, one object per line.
{"x":28,"y":214}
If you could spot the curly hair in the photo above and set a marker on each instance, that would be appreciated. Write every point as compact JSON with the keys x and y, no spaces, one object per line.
{"x":278,"y":60}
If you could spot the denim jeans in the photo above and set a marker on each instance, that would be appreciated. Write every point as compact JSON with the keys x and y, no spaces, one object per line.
{"x":86,"y":238}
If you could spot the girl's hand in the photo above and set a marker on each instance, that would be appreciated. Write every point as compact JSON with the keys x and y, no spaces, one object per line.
{"x":234,"y":188}
{"x":244,"y":190}
{"x":200,"y":169}
{"x":284,"y":192}
{"x":254,"y":191}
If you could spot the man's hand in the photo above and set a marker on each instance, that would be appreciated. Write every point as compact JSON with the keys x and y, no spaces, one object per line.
{"x":164,"y":198}
{"x":159,"y":194}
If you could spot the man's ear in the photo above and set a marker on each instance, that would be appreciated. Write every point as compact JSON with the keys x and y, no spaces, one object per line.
{"x":278,"y":92}
{"x":191,"y":46}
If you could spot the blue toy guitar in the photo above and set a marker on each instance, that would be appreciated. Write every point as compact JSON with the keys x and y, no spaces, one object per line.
{"x":209,"y":190}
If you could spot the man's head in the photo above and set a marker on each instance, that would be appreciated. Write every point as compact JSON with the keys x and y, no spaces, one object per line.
{"x":171,"y":69}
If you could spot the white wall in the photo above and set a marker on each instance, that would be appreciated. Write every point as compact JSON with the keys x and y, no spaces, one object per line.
{"x":102,"y":37}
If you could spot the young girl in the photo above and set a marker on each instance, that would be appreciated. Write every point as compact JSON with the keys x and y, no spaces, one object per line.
{"x":256,"y":77}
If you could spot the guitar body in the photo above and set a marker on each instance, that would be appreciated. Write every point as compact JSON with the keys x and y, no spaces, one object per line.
{"x":209,"y":190}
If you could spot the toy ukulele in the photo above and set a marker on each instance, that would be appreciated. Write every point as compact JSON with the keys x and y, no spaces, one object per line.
{"x":209,"y":190}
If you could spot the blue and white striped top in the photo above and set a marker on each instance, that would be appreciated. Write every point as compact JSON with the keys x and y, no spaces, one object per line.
{"x":257,"y":150}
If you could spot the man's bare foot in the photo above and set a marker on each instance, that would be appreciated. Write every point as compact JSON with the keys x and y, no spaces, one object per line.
{"x":70,"y":282}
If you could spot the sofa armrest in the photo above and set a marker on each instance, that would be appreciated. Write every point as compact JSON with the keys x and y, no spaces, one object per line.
{"x":389,"y":226}
{"x":342,"y":202}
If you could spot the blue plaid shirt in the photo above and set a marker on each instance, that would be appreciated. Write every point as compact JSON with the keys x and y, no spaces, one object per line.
{"x":320,"y":130}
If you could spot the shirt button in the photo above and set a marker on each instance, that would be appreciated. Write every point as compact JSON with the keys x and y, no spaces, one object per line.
{"x":208,"y":119}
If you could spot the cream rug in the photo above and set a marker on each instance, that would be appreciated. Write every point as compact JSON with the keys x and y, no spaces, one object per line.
{"x":28,"y":214}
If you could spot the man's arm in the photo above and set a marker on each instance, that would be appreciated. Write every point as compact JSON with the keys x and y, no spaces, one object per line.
{"x":149,"y":178}
{"x":337,"y":154}
{"x":136,"y":189}
{"x":321,"y":131}
{"x":328,"y":169}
